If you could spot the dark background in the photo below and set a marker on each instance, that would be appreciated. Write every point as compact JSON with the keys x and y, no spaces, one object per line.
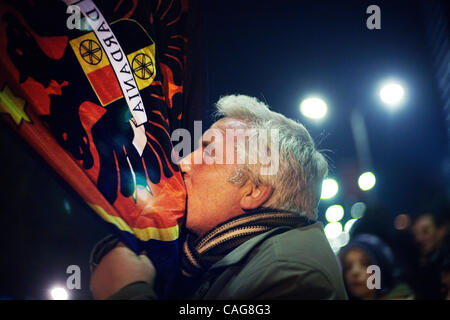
{"x":279,"y":52}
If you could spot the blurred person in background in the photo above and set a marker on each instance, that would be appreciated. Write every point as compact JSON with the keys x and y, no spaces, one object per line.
{"x":431,"y":233}
{"x":365,"y":250}
{"x":445,"y":277}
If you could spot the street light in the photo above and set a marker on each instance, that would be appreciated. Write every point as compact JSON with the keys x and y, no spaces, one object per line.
{"x":392,"y":93}
{"x":313,"y":108}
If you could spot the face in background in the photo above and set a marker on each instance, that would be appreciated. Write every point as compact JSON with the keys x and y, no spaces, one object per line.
{"x":426,"y":234}
{"x":355,"y":263}
{"x":445,"y":282}
{"x":211,"y":198}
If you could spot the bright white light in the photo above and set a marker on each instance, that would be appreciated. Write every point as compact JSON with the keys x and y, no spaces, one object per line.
{"x":329,"y":188}
{"x":349,"y":224}
{"x":59,"y":293}
{"x":343,"y":239}
{"x":335,"y":244}
{"x":333,"y":230}
{"x":314,"y":108}
{"x":334,"y":213}
{"x":392,"y":93}
{"x":366,"y":181}
{"x":358,"y":209}
{"x":338,"y":242}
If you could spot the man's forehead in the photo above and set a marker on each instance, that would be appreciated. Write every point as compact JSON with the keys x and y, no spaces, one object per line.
{"x":425,"y":219}
{"x":230,"y":123}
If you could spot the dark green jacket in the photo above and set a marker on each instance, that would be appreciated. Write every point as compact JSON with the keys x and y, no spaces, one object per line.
{"x":282,"y":263}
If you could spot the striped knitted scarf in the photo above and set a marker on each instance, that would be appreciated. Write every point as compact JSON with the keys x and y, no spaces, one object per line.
{"x":201,"y":253}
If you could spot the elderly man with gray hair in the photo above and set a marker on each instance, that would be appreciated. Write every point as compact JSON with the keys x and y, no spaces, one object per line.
{"x":253,"y":189}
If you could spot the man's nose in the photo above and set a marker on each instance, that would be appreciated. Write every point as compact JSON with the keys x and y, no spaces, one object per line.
{"x":186,"y":163}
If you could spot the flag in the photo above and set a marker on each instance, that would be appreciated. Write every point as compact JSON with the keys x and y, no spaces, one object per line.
{"x":99,"y":103}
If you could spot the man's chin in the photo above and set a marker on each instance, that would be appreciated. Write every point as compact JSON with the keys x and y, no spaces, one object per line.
{"x":188,"y":225}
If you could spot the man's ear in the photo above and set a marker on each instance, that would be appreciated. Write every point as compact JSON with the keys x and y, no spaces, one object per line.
{"x":253,"y":196}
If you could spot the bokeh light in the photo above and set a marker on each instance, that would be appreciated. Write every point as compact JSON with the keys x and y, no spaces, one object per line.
{"x":392,"y":94}
{"x":366,"y":181}
{"x":59,"y":293}
{"x":402,"y":222}
{"x":343,"y":239}
{"x":333,"y":230}
{"x":313,"y":108}
{"x":349,"y":224}
{"x":334,"y":213}
{"x":330,"y":188}
{"x":357,"y":210}
{"x":339,"y":241}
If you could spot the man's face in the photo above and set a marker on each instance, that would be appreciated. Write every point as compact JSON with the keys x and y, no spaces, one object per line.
{"x":211,"y":198}
{"x":425,"y":234}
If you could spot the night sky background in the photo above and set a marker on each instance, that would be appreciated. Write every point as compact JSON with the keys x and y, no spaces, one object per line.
{"x":279,"y":52}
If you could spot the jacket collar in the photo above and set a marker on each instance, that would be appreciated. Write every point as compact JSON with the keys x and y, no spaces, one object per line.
{"x":244,"y":249}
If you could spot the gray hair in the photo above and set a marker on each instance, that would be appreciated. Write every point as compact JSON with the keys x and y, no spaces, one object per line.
{"x":297,"y":183}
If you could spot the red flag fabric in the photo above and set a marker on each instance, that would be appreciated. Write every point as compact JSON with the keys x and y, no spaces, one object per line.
{"x":99,"y":103}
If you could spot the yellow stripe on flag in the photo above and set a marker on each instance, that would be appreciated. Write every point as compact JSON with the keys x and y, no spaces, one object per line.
{"x":145,"y":234}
